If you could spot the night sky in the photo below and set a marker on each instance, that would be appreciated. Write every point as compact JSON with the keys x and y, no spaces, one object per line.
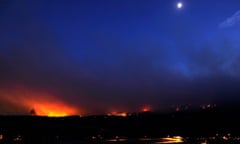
{"x":98,"y":56}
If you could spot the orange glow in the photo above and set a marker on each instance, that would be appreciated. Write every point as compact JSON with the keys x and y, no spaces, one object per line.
{"x":42,"y":103}
{"x":117,"y":139}
{"x":165,"y":140}
{"x":123,"y":114}
{"x":176,"y":139}
{"x":53,"y":109}
{"x":146,"y":109}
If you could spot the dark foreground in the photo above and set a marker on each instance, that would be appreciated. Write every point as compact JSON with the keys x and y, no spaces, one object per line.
{"x":211,"y":126}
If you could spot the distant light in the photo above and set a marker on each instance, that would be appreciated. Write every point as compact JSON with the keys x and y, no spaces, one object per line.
{"x":224,"y":138}
{"x":122,"y":114}
{"x":177,"y":109}
{"x":146,"y":109}
{"x":17,"y":138}
{"x":175,"y":139}
{"x":93,"y":137}
{"x":179,"y":5}
{"x":56,"y":114}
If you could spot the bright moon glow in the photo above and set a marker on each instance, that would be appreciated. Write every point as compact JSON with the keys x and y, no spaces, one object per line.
{"x":179,"y":5}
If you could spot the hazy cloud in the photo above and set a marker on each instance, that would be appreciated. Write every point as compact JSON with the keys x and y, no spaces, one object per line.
{"x":231,"y":21}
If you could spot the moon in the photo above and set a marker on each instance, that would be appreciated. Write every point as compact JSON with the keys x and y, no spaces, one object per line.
{"x":179,"y":5}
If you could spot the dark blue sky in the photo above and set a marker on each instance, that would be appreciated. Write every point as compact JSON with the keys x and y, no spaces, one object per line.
{"x":99,"y":56}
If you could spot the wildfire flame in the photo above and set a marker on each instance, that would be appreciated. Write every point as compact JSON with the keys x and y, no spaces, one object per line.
{"x":43,"y":103}
{"x":52,"y":109}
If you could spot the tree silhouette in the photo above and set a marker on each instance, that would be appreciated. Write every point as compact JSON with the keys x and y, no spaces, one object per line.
{"x":33,"y":112}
